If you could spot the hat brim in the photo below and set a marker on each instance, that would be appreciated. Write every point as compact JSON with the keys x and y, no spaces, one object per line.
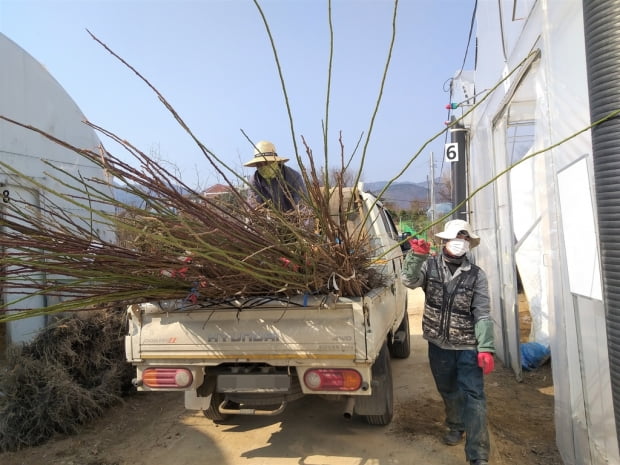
{"x":260,"y":159}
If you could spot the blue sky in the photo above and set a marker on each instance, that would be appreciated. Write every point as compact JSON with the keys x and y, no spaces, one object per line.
{"x":213,"y":61}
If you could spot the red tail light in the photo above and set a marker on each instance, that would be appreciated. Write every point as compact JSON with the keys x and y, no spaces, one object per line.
{"x":167,"y":377}
{"x":333,"y":379}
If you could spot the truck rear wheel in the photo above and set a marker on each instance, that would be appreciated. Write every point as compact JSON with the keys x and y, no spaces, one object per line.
{"x":382,"y":389}
{"x":213,"y":412}
{"x":400,"y":346}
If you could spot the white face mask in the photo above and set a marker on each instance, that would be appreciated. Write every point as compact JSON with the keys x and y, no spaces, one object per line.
{"x":457,"y":247}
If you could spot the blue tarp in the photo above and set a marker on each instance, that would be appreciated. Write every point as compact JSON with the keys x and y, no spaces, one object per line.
{"x":534,"y":355}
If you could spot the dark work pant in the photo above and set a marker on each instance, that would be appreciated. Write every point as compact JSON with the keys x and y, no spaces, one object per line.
{"x":460,"y":382}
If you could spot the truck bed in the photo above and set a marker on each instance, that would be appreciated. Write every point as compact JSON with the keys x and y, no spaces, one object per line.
{"x":279,"y":333}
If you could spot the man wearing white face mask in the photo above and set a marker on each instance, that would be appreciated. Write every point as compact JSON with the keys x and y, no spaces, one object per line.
{"x":273,"y":181}
{"x":459,"y":330}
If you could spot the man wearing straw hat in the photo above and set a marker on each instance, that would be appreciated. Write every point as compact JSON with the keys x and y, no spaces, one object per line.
{"x":274,"y":182}
{"x":459,"y":330}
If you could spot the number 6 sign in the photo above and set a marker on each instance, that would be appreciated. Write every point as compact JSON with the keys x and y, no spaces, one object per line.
{"x":451,"y":152}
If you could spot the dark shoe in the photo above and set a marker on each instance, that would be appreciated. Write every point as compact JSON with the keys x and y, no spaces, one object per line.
{"x":453,"y":437}
{"x":479,"y":462}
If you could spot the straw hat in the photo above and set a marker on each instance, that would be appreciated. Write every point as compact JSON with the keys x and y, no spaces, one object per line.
{"x":264,"y":152}
{"x":452,"y":229}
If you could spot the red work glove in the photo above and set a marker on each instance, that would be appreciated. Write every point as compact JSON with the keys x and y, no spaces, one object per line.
{"x":420,"y":246}
{"x":486,"y":362}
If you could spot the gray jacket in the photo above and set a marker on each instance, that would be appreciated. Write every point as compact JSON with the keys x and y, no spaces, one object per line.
{"x":286,"y":191}
{"x":456,"y":307}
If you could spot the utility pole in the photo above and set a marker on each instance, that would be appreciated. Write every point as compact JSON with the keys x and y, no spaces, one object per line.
{"x":458,"y":135}
{"x":432,"y":193}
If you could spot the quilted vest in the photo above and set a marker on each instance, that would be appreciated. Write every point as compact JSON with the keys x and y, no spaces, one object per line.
{"x":447,"y":311}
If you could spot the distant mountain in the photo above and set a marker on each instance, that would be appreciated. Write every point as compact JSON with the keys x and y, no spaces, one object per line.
{"x":400,"y":194}
{"x":126,"y":197}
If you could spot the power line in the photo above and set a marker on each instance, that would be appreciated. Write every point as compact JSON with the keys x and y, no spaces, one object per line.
{"x":451,"y":80}
{"x":471,"y":31}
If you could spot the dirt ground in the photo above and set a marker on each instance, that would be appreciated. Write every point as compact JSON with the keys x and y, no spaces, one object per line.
{"x":155,"y":428}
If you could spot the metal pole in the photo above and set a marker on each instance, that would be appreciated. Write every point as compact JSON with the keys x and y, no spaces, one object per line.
{"x":432,"y":194}
{"x":602,"y":40}
{"x":459,"y":181}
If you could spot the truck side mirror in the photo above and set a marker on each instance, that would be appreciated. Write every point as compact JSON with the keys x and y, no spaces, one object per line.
{"x":404,"y":242}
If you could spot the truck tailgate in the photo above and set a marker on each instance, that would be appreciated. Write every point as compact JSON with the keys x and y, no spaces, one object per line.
{"x":265,"y":334}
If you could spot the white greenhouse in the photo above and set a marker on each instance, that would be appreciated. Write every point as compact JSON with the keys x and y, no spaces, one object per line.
{"x":30,"y":95}
{"x":544,"y":196}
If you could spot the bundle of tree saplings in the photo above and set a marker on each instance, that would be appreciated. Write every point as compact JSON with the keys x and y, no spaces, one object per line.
{"x":65,"y":377}
{"x":175,"y":243}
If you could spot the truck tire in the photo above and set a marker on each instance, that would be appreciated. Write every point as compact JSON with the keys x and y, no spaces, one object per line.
{"x":382,"y":389}
{"x":213,"y":412}
{"x":400,"y":346}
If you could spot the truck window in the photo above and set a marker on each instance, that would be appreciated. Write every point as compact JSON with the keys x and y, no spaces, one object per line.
{"x":390,"y":227}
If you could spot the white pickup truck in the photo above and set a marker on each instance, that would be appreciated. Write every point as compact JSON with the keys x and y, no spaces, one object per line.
{"x":254,"y":357}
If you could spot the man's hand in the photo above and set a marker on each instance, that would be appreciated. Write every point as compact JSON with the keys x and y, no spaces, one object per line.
{"x":420,"y":246}
{"x":486,"y":362}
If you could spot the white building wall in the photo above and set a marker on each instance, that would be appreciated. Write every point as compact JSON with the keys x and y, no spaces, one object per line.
{"x":559,"y":250}
{"x":30,"y":95}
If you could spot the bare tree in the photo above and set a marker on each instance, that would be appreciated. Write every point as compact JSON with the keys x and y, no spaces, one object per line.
{"x":443,"y":189}
{"x":338,"y":176}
